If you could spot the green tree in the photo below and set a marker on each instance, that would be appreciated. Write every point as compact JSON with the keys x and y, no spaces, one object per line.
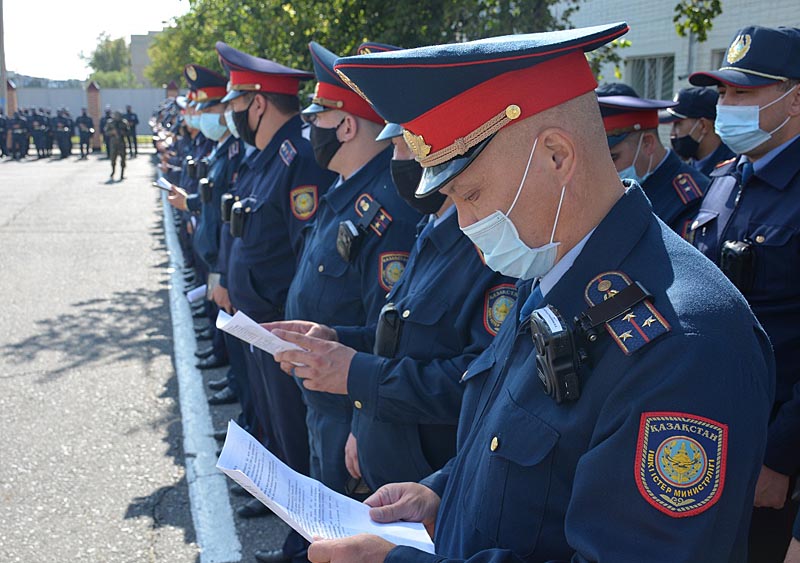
{"x":696,"y":17}
{"x":111,"y":63}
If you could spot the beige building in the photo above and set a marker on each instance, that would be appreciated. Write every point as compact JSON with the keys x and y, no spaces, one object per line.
{"x":658,"y":62}
{"x":140,"y":58}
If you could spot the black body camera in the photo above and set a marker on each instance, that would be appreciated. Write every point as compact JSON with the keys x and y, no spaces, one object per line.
{"x":737,"y":260}
{"x":205,"y":187}
{"x":226,"y":205}
{"x":387,"y":334}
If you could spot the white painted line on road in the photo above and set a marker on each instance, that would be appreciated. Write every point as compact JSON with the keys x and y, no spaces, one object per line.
{"x":208,"y":489}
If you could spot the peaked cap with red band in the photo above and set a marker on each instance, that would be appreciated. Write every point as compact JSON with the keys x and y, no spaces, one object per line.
{"x":624,"y":111}
{"x":206,"y":86}
{"x":331,"y":92}
{"x":254,"y":74}
{"x":452,"y":99}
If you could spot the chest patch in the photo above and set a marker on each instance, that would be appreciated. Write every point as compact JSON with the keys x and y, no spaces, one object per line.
{"x":499,"y":301}
{"x":686,"y":188}
{"x":391,"y":267}
{"x":304,"y":202}
{"x":680,"y":462}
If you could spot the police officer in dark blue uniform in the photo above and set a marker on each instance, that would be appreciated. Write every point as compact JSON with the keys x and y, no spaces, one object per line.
{"x":674,"y":188}
{"x":277,"y":202}
{"x":85,"y":126}
{"x":18,"y":135}
{"x":403,"y":374}
{"x":39,"y":131}
{"x":620,"y":414}
{"x":749,"y":224}
{"x":64,"y":127}
{"x":355,"y":251}
{"x":3,"y":133}
{"x":692,"y":134}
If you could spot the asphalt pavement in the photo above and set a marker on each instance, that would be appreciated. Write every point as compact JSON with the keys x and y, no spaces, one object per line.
{"x":91,"y":427}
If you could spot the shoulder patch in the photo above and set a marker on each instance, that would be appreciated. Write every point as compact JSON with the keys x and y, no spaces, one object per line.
{"x":680,"y":462}
{"x":382,"y":219}
{"x":499,"y":301}
{"x":687,"y":188}
{"x":287,"y":152}
{"x":304,"y":201}
{"x":636,"y":327}
{"x":391,"y":267}
{"x":233,"y":150}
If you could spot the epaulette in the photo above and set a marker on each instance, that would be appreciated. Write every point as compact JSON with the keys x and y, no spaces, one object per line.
{"x":686,"y":188}
{"x":287,"y":152}
{"x":372,"y":213}
{"x":724,"y":162}
{"x":634,"y":328}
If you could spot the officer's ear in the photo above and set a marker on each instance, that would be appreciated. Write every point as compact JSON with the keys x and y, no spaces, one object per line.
{"x":348,"y":130}
{"x":560,"y":153}
{"x":650,"y":142}
{"x":794,"y":105}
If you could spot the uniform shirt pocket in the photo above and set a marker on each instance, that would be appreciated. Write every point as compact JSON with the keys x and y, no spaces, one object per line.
{"x":777,"y":261}
{"x":421,"y":335}
{"x":512,"y":482}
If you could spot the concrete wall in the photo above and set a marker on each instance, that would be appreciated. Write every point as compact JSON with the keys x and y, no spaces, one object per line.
{"x":140,"y":58}
{"x":653,"y":32}
{"x":143,"y":100}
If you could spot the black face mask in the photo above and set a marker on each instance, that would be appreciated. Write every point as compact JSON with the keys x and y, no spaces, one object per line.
{"x":325,"y":143}
{"x":685,"y":147}
{"x":406,"y":175}
{"x":243,"y":127}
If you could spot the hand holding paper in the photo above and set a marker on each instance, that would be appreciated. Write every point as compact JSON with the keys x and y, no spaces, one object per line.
{"x":244,"y":328}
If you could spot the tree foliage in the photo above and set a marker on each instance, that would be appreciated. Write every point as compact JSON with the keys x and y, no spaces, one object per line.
{"x":109,"y":55}
{"x":696,"y":17}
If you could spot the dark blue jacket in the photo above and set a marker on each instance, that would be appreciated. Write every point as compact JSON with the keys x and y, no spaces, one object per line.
{"x":330,"y":291}
{"x":282,"y":194}
{"x":720,"y":155}
{"x":658,"y":458}
{"x":223,"y":163}
{"x":408,"y":404}
{"x":676,"y":190}
{"x":766,"y":213}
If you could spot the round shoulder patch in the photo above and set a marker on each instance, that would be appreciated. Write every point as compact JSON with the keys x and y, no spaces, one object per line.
{"x":499,"y":301}
{"x":680,"y":462}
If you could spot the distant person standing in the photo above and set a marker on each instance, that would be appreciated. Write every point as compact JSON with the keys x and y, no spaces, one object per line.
{"x":103,"y":121}
{"x":133,"y":121}
{"x":116,"y":130}
{"x":85,"y":131}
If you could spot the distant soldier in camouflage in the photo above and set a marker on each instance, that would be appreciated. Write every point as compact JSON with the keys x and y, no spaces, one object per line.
{"x":116,"y":129}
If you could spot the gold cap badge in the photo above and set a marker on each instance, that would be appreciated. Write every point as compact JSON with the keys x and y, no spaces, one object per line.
{"x":739,"y":48}
{"x":191,"y":72}
{"x":417,"y":144}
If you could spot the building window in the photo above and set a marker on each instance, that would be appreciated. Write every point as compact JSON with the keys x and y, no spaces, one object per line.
{"x":716,"y":58}
{"x":652,"y":77}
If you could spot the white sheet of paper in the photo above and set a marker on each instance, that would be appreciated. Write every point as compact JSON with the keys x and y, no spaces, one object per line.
{"x":164,"y":183}
{"x":305,"y":504}
{"x":244,"y":328}
{"x":196,"y":293}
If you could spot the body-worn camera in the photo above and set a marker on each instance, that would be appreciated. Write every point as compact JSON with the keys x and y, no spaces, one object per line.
{"x":350,"y":235}
{"x":387,"y":333}
{"x":202,"y":167}
{"x":205,"y":187}
{"x":191,"y":168}
{"x":239,"y":213}
{"x":225,"y":206}
{"x":737,"y":260}
{"x":562,"y":351}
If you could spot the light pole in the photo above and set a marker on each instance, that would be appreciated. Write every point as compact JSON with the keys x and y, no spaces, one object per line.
{"x":3,"y":76}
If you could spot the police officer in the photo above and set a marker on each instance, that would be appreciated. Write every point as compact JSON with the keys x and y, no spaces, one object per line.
{"x":692,"y":134}
{"x":278,"y":200}
{"x":403,"y":375}
{"x":607,"y":438}
{"x":674,"y":188}
{"x":749,"y":224}
{"x":39,"y":131}
{"x":64,"y":127}
{"x":85,"y":126}
{"x":18,"y":135}
{"x":3,"y":133}
{"x":133,"y":120}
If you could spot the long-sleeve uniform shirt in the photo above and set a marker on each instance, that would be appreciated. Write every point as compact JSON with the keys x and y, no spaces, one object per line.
{"x":658,"y":458}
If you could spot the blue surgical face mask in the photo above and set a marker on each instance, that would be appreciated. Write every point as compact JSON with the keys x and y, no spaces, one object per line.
{"x":191,"y":120}
{"x":739,"y":127}
{"x":504,"y":251}
{"x":230,"y":124}
{"x":211,"y":127}
{"x":630,"y":171}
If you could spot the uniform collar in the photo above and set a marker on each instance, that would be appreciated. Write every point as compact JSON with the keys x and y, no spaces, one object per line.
{"x":664,"y":172}
{"x":607,"y":247}
{"x":290,"y":129}
{"x":446,"y":233}
{"x":341,"y":197}
{"x":779,"y":166}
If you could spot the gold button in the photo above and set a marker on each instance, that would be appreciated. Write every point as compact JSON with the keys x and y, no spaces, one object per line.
{"x":513,"y":111}
{"x":321,"y":268}
{"x":760,"y":239}
{"x":406,"y":313}
{"x":358,"y":404}
{"x":495,"y":444}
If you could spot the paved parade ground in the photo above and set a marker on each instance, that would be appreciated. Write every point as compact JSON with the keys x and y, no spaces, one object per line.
{"x":93,"y":438}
